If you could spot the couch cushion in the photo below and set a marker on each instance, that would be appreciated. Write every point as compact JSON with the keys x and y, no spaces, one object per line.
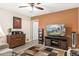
{"x":75,"y":52}
{"x":3,"y":46}
{"x":5,"y":50}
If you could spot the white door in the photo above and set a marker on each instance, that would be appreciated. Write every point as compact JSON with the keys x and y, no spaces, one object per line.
{"x":35,"y":30}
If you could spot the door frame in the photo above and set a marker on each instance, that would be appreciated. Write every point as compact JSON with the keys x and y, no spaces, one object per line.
{"x":32,"y":26}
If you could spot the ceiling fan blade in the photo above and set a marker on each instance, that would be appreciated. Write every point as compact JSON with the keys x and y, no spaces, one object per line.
{"x":39,"y":8}
{"x":38,"y":3}
{"x":22,"y":6}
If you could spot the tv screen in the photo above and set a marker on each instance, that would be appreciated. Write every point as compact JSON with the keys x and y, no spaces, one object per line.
{"x":55,"y":29}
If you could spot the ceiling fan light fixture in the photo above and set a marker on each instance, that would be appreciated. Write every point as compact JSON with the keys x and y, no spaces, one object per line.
{"x":33,"y":5}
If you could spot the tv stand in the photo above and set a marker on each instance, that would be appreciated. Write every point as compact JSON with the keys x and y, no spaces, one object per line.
{"x":56,"y":41}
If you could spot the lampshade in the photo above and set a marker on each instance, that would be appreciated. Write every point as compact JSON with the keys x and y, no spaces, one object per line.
{"x":1,"y":32}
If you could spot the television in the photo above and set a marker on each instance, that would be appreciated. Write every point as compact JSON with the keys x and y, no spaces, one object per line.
{"x":55,"y":30}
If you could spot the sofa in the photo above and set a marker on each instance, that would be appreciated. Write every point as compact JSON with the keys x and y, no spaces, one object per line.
{"x":5,"y":51}
{"x":72,"y":52}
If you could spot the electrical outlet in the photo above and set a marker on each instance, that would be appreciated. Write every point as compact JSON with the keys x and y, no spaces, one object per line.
{"x":2,"y":41}
{"x":27,"y":39}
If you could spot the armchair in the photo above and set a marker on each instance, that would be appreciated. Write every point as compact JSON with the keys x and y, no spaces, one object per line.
{"x":4,"y":50}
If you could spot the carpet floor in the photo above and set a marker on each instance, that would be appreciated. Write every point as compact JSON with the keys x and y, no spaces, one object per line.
{"x":41,"y":50}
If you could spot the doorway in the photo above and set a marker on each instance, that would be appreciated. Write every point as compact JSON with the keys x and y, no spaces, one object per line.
{"x":35,"y":28}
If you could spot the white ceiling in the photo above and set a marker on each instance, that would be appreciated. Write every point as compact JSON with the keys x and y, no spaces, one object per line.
{"x":49,"y":7}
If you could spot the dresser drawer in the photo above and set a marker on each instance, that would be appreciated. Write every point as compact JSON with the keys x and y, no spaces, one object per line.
{"x":15,"y":41}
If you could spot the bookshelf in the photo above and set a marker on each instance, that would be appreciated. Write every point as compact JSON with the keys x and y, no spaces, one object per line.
{"x":41,"y":36}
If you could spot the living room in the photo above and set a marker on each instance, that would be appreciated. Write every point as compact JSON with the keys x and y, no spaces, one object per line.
{"x":20,"y":25}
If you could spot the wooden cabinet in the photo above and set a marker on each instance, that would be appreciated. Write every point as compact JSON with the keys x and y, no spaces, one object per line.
{"x":15,"y":40}
{"x":63,"y":44}
{"x":47,"y":42}
{"x":58,"y":42}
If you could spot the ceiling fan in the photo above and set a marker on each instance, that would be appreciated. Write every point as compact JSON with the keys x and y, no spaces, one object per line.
{"x":33,"y":5}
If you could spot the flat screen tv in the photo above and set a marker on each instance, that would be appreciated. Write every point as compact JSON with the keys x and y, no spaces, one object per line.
{"x":55,"y":30}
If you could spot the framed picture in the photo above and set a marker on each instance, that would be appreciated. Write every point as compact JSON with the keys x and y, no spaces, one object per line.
{"x":16,"y":23}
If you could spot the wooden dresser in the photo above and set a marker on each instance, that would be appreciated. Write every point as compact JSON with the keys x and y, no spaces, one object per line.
{"x":15,"y":40}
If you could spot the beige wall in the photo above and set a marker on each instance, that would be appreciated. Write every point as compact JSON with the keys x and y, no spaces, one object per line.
{"x":6,"y":22}
{"x":68,"y":17}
